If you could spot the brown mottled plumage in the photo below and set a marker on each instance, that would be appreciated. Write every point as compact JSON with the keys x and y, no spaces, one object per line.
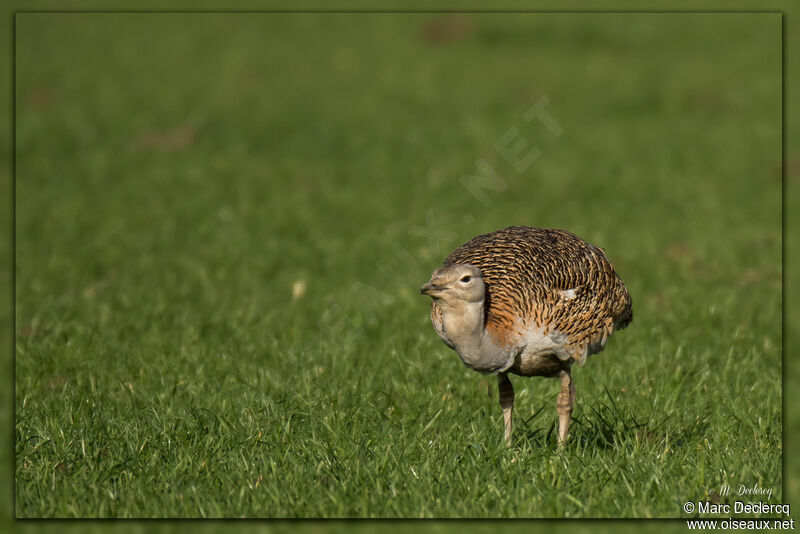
{"x":527,"y":272}
{"x":530,"y":302}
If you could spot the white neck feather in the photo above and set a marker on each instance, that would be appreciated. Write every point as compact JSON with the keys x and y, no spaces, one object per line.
{"x":464,"y":325}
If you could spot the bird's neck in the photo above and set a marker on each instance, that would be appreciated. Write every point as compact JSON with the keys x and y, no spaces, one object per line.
{"x":465,"y":328}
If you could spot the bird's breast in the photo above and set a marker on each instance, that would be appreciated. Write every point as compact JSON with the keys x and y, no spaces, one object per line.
{"x":480,"y":352}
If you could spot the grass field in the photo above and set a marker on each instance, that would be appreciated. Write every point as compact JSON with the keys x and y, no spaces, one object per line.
{"x":222,"y":222}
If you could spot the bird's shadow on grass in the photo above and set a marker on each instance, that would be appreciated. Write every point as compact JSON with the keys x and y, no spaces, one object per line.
{"x":607,"y":425}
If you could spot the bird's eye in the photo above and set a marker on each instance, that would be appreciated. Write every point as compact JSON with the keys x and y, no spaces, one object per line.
{"x":466,"y":279}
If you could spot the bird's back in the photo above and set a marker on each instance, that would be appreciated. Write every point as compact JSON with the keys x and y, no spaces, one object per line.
{"x":549,"y":280}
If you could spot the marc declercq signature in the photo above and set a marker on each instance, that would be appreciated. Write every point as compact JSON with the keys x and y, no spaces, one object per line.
{"x":742,"y":489}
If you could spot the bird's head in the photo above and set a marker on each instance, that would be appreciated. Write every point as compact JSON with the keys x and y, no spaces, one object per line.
{"x":455,"y":283}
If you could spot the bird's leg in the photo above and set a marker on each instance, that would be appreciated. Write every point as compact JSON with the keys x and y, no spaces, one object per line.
{"x":564,"y":404}
{"x":506,"y":395}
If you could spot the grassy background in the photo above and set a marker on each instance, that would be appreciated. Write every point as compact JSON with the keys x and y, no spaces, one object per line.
{"x":181,"y":178}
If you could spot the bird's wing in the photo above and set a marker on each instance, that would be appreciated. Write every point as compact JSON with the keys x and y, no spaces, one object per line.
{"x":589,"y":312}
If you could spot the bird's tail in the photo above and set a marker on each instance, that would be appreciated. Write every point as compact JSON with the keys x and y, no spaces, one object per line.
{"x":626,"y":317}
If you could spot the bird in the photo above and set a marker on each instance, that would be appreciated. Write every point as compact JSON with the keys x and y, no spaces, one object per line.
{"x":530,"y":302}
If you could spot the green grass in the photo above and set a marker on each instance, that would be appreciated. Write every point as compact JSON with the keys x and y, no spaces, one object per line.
{"x":178,"y":175}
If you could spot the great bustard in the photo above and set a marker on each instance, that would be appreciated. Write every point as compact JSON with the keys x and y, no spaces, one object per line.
{"x":530,"y":302}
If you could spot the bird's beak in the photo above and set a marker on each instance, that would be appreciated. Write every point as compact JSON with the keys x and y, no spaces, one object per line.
{"x":428,"y":288}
